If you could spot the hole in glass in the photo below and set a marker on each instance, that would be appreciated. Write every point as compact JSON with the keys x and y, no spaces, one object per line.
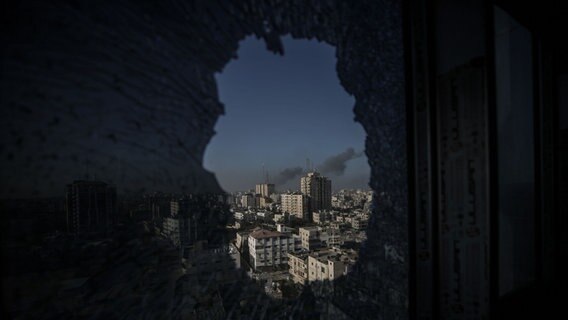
{"x":291,"y":157}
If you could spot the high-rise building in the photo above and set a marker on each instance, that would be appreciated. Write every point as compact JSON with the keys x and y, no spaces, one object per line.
{"x":295,"y":204}
{"x":318,"y":189}
{"x":265,"y":189}
{"x":91,"y":207}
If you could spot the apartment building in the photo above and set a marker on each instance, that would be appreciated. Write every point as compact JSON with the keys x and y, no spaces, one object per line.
{"x":269,"y":248}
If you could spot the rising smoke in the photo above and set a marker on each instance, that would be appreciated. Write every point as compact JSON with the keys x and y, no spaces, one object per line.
{"x":336,"y":165}
{"x":288,"y":174}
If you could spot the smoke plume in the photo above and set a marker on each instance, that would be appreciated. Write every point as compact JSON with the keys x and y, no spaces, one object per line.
{"x":337,"y":164}
{"x":288,"y":174}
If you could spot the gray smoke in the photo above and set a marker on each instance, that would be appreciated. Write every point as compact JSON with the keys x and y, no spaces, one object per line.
{"x":337,"y":164}
{"x":288,"y":174}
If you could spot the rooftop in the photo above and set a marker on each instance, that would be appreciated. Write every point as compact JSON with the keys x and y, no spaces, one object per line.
{"x":262,"y":233}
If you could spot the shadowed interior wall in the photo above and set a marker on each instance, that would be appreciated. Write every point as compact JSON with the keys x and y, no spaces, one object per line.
{"x":450,"y":110}
{"x":483,"y":79}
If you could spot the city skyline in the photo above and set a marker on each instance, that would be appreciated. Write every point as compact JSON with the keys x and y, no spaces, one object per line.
{"x":296,"y":183}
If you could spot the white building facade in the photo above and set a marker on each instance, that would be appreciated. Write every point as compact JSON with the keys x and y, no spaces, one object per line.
{"x":295,"y":204}
{"x":269,"y":248}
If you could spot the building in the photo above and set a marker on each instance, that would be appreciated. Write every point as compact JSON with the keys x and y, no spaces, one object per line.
{"x":171,"y":230}
{"x":250,"y":200}
{"x":265,"y":215}
{"x":178,"y":226}
{"x":280,"y":227}
{"x":298,"y":266}
{"x":239,"y":215}
{"x":278,"y":217}
{"x":318,"y":189}
{"x":330,"y":237}
{"x":359,"y":223}
{"x":264,"y":202}
{"x":335,"y":225}
{"x":333,"y":237}
{"x":193,"y":218}
{"x":326,"y":265}
{"x":321,"y":216}
{"x":91,"y":207}
{"x":241,"y":241}
{"x":269,"y":248}
{"x":265,"y":189}
{"x":246,"y":216}
{"x":295,"y":204}
{"x":310,"y":238}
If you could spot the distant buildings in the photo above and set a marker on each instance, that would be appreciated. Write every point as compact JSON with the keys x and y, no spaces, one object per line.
{"x":333,"y":237}
{"x":310,"y":238}
{"x":91,"y":207}
{"x":265,"y":215}
{"x":329,"y":264}
{"x":318,"y":189}
{"x":241,"y":241}
{"x":284,"y":229}
{"x":321,"y":265}
{"x":350,"y":199}
{"x":250,"y":200}
{"x":245,"y":216}
{"x":311,"y":252}
{"x":193,"y":218}
{"x":358,"y":223}
{"x":265,"y":189}
{"x":298,"y":266}
{"x":314,"y":238}
{"x":180,"y":226}
{"x":263,"y":193}
{"x":269,"y":248}
{"x":321,"y":216}
{"x":295,"y":204}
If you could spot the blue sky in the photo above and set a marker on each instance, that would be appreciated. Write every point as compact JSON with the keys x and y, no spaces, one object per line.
{"x":280,"y":110}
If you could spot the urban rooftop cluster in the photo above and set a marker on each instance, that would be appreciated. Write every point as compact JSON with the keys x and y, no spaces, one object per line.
{"x":296,"y":237}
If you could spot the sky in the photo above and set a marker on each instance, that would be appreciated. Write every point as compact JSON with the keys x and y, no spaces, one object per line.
{"x":281,"y":110}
